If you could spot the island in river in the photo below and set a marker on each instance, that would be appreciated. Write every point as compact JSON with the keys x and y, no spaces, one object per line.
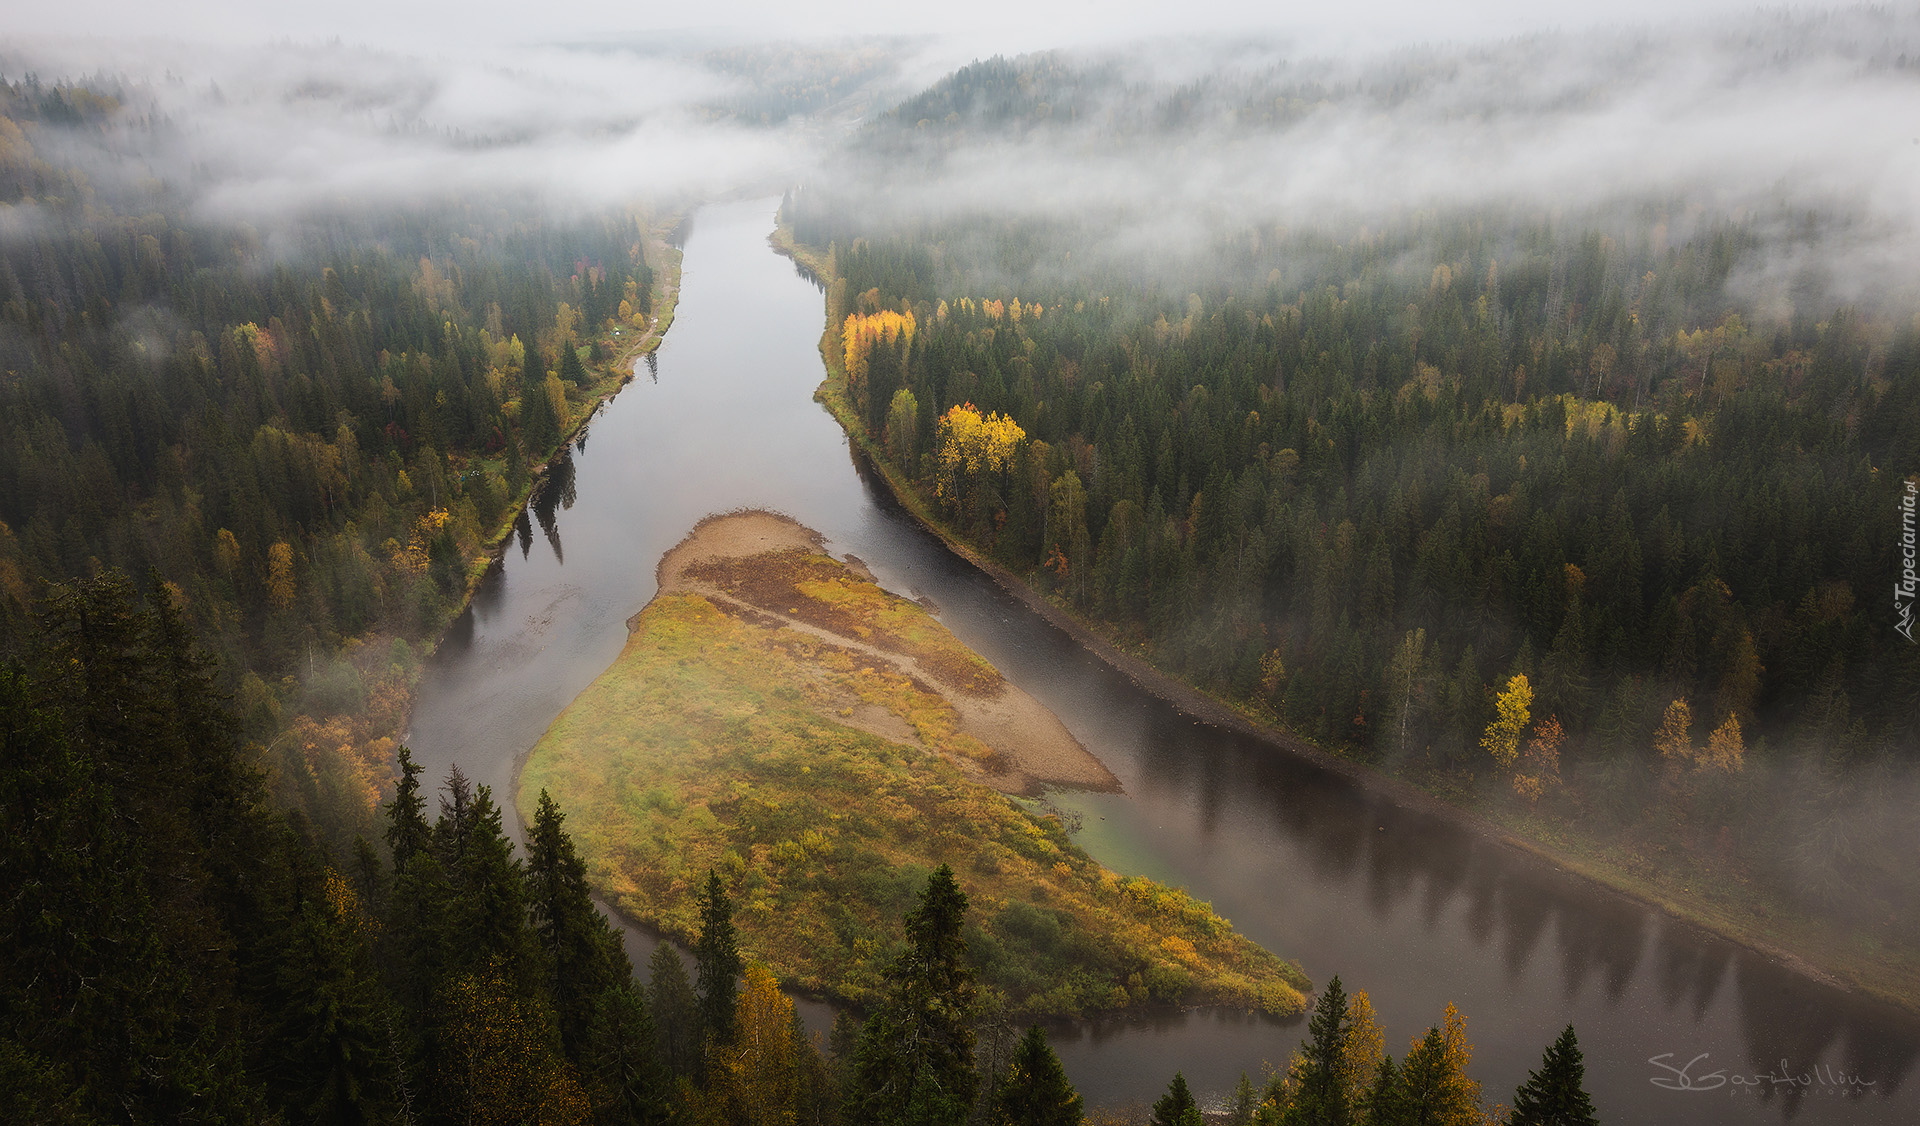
{"x":779,"y":718}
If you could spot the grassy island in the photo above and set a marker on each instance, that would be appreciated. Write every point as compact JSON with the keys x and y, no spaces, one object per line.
{"x":778,"y":717}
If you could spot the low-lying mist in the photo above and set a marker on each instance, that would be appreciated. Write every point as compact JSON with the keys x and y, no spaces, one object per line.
{"x":1800,"y":124}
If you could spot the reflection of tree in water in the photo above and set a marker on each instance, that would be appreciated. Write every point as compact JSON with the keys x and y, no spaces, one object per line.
{"x":653,"y":366}
{"x":1344,"y":834}
{"x":556,"y":491}
{"x":1788,"y":1018}
{"x":1691,"y":972}
{"x":523,"y":530}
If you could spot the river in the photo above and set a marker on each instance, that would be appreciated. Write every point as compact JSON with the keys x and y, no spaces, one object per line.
{"x":1676,"y":1025}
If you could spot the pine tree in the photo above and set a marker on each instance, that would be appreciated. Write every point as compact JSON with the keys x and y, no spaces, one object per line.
{"x":1434,"y":1076}
{"x":717,"y":964}
{"x":1176,"y":1107}
{"x":1556,"y":1094}
{"x":570,"y":366}
{"x":1035,"y":1091}
{"x":622,"y":1069}
{"x":489,"y":924}
{"x":1386,"y":1102}
{"x":581,"y":949}
{"x":538,"y":424}
{"x":1317,"y":1082}
{"x":407,"y":832}
{"x":676,"y":1011}
{"x":1244,"y":1103}
{"x":914,"y":1062}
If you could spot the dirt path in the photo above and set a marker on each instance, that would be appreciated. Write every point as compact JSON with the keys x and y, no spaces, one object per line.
{"x":1033,"y":747}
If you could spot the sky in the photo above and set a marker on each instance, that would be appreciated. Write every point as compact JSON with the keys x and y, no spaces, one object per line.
{"x":1009,"y":25}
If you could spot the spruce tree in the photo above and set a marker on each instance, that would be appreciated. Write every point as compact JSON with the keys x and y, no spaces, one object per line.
{"x":1319,"y":1091}
{"x":1386,"y":1101}
{"x":717,"y":964}
{"x":1556,"y":1094}
{"x":538,"y":424}
{"x":407,"y":832}
{"x":571,"y":369}
{"x":583,"y":955}
{"x":621,"y":1065}
{"x":1176,"y":1107}
{"x":1244,"y":1103}
{"x":490,"y":921}
{"x":676,"y":1011}
{"x":1035,"y":1091}
{"x":914,"y":1062}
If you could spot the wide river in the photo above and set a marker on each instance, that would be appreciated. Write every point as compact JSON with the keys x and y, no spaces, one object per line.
{"x":1676,"y":1025}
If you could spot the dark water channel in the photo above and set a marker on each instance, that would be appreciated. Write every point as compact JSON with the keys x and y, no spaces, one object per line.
{"x":1400,"y":904}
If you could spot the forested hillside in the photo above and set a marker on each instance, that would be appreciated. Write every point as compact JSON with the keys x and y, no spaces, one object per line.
{"x":1545,"y":511}
{"x":311,"y":432}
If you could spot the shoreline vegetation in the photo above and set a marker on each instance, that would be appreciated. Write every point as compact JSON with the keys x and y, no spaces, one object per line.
{"x":607,"y":375}
{"x":823,"y":745}
{"x":1738,"y":914}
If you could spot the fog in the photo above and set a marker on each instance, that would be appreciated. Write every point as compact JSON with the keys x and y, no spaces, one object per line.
{"x":1760,"y":119}
{"x":1171,"y":142}
{"x":250,"y":134}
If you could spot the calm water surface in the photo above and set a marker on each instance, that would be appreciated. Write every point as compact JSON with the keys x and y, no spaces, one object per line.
{"x":1416,"y":912}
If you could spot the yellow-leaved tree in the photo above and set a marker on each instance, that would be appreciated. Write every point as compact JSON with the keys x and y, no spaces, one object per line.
{"x":968,"y":448}
{"x":1674,"y":740}
{"x":1513,"y":709}
{"x":770,"y":1075}
{"x":1539,"y":770}
{"x":1726,"y":749}
{"x":497,"y":1060}
{"x":280,"y":576}
{"x":862,"y":333}
{"x":1435,"y":1075}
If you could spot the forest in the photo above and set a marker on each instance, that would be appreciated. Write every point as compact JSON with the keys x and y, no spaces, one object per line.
{"x":215,"y":960}
{"x":1545,"y":512}
{"x":314,"y":433}
{"x":1582,"y":517}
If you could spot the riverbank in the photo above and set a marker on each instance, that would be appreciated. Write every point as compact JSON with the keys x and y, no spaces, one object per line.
{"x":349,"y":755}
{"x":1812,"y":947}
{"x":610,"y":376}
{"x":823,"y":745}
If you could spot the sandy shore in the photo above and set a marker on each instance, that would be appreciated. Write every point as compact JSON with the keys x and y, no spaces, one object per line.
{"x":1032,"y":748}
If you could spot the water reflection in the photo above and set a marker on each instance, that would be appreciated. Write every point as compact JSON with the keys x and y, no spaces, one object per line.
{"x":556,"y":489}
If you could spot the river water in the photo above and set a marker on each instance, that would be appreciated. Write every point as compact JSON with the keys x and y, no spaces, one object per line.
{"x":1676,"y":1025}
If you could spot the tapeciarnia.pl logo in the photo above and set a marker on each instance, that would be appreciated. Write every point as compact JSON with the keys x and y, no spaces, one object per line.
{"x":1904,"y":590}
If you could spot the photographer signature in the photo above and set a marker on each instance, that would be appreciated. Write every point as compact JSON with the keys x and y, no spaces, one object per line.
{"x":1682,"y":1078}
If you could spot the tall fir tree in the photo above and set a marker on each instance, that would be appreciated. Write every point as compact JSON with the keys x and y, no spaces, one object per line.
{"x":1316,"y":1085}
{"x":622,"y":1067}
{"x":914,"y":1061}
{"x":1556,"y":1094}
{"x":1035,"y":1091}
{"x":1177,"y":1107}
{"x":571,"y":370}
{"x":717,"y":963}
{"x":583,"y":955}
{"x":407,"y":832}
{"x":676,"y":1011}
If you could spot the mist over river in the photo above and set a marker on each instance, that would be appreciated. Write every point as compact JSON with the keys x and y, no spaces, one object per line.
{"x":1676,"y":1025}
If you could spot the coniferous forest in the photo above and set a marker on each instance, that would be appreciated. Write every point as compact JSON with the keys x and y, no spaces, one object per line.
{"x":312,"y":434}
{"x":1572,"y":515}
{"x":1550,"y":513}
{"x":212,"y":959}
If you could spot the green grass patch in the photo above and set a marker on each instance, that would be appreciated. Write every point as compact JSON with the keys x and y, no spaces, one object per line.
{"x":720,"y":740}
